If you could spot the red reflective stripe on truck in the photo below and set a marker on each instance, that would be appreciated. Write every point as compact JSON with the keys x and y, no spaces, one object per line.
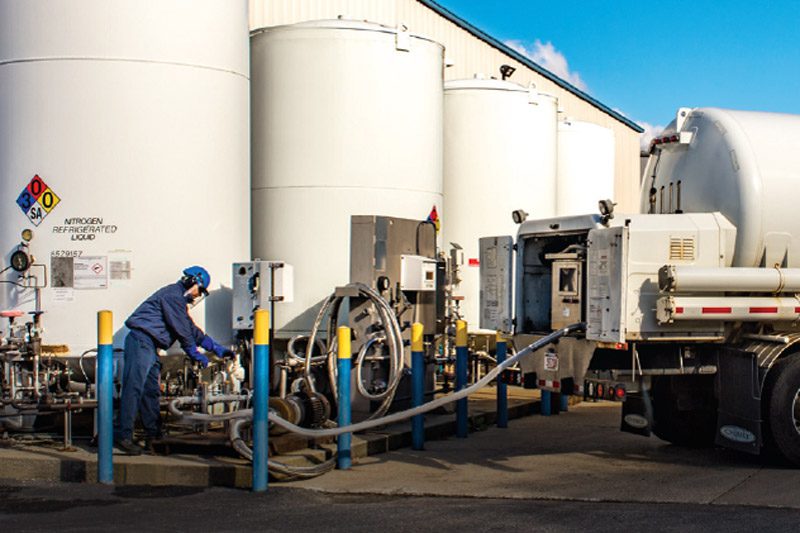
{"x":716,"y":310}
{"x":797,"y":309}
{"x":766,"y":310}
{"x":679,"y":310}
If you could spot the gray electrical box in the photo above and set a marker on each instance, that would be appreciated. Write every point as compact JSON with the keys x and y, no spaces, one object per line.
{"x":256,"y":285}
{"x":495,"y":273}
{"x":396,"y":255}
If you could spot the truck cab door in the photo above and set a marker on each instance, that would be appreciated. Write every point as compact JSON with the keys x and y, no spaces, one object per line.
{"x":496,"y":273}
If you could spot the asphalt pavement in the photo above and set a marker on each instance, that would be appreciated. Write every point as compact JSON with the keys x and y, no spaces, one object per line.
{"x":571,"y":472}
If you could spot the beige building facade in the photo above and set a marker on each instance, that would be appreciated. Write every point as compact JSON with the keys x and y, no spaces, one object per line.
{"x":469,"y":51}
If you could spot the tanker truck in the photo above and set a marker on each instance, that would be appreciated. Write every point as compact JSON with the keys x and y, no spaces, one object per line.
{"x":689,"y":309}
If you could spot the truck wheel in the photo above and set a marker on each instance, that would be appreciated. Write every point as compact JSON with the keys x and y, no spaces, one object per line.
{"x":783,"y":402}
{"x":684,"y":410}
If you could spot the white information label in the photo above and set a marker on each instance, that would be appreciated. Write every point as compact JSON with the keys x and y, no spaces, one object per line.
{"x":63,"y":295}
{"x":90,"y":272}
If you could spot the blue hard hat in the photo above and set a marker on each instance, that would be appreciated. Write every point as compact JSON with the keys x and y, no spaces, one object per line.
{"x":199,"y":275}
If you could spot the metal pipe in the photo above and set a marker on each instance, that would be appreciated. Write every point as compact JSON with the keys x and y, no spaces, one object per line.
{"x":684,"y":278}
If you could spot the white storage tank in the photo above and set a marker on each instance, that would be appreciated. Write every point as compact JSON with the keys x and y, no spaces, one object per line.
{"x":346,"y":120}
{"x":499,"y":156}
{"x":125,"y":149}
{"x":585,"y":167}
{"x":745,"y":165}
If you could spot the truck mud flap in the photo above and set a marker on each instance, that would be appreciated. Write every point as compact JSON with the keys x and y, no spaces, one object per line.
{"x":637,"y":415}
{"x":739,"y":412}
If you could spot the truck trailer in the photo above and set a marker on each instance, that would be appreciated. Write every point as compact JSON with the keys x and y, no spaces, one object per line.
{"x":691,"y":307}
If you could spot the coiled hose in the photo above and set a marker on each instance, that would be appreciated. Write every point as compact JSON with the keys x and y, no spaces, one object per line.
{"x":392,"y":336}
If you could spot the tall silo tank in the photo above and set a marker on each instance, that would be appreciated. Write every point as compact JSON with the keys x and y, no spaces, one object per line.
{"x":346,"y":120}
{"x":585,"y":167}
{"x":134,"y":116}
{"x":499,"y":155}
{"x":744,"y":164}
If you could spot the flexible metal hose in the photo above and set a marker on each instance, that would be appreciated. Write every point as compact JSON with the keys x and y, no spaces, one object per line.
{"x":393,"y":337}
{"x":395,"y":417}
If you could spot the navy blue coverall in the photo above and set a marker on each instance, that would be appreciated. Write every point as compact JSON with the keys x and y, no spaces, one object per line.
{"x":157,"y":323}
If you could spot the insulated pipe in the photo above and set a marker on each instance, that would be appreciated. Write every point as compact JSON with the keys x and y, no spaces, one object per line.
{"x":105,"y":399}
{"x":680,"y":278}
{"x":344,"y":458}
{"x":462,"y":409}
{"x":260,"y":400}
{"x":408,"y":413}
{"x":502,"y":392}
{"x":417,"y":386}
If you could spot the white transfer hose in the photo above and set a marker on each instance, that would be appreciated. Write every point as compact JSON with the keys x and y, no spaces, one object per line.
{"x":390,"y":419}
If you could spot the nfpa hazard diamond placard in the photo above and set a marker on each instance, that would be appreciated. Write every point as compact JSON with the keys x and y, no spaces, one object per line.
{"x":37,"y":200}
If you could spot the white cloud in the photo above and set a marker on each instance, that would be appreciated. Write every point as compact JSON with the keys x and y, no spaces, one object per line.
{"x":546,"y":55}
{"x":650,"y":131}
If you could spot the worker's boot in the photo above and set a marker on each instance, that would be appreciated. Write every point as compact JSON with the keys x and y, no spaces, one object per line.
{"x":129,"y":447}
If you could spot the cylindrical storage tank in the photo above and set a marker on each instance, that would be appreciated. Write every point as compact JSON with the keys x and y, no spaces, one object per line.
{"x":125,"y":149}
{"x":743,"y":164}
{"x":346,"y":120}
{"x":499,"y":156}
{"x":585,"y":167}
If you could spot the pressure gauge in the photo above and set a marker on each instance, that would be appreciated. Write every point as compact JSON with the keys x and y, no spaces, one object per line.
{"x":20,"y":261}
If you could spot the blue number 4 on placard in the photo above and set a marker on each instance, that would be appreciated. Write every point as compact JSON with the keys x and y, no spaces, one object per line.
{"x":25,"y":200}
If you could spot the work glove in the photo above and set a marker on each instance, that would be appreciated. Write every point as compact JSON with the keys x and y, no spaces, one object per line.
{"x":210,"y":345}
{"x":197,"y":357}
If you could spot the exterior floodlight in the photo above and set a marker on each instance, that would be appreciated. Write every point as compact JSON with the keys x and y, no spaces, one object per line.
{"x":456,"y":246}
{"x":606,"y":208}
{"x":519,"y":216}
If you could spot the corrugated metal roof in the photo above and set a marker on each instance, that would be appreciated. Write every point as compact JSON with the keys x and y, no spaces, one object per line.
{"x":452,"y":17}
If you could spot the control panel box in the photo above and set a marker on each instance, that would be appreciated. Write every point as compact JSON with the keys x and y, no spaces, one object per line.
{"x":258,"y":285}
{"x":417,"y":273}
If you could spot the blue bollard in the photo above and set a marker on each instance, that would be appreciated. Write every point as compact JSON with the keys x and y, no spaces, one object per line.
{"x":547,"y":398}
{"x":261,"y":401}
{"x":343,"y":457}
{"x":417,"y":386}
{"x":502,"y":391}
{"x":564,"y":402}
{"x":462,"y":410}
{"x":105,"y":398}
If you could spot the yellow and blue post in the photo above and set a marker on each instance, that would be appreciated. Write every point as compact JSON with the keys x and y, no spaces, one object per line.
{"x":260,"y":400}
{"x":502,"y":391}
{"x":462,"y":412}
{"x":105,"y":397}
{"x":417,"y":386}
{"x":343,"y":458}
{"x":546,"y":402}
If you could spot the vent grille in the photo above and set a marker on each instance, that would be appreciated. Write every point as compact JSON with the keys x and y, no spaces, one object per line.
{"x":681,"y":249}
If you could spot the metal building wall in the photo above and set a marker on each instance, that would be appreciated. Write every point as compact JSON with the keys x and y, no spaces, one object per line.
{"x":468,"y":55}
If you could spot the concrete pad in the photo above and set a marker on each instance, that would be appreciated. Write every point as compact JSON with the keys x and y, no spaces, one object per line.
{"x":580,"y":455}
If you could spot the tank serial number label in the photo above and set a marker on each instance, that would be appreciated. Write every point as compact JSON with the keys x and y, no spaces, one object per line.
{"x":37,"y":200}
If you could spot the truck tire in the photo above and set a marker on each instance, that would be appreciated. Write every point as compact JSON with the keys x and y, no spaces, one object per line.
{"x":692,"y":425}
{"x":783,"y":408}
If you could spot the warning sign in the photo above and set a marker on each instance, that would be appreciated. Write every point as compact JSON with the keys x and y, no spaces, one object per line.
{"x":90,"y":272}
{"x":37,"y":200}
{"x":84,"y":272}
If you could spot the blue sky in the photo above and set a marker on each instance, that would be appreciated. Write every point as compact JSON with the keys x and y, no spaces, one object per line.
{"x":646,"y":59}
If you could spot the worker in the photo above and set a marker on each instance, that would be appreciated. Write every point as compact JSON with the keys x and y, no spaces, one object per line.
{"x":157,"y":323}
